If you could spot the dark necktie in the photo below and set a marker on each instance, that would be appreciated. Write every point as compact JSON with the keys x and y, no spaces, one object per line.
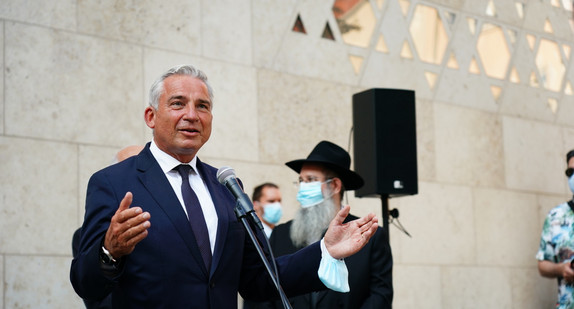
{"x":195,"y":214}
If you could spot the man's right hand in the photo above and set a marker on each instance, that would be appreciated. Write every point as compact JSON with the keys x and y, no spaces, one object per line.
{"x":127,"y":228}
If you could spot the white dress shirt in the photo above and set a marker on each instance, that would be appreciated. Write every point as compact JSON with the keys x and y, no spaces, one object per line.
{"x":167,"y":164}
{"x":333,"y":273}
{"x":267,"y":229}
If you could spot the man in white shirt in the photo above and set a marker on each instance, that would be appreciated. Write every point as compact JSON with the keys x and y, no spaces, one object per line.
{"x":142,"y":243}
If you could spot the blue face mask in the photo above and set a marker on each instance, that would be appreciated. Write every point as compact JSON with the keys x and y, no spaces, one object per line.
{"x":571,"y":183}
{"x":272,"y":212}
{"x":310,"y":193}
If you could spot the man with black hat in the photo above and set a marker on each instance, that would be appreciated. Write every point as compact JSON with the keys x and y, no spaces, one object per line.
{"x":556,"y":252}
{"x":323,"y":177}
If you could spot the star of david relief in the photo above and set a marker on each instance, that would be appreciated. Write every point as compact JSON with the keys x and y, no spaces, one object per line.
{"x":542,"y":56}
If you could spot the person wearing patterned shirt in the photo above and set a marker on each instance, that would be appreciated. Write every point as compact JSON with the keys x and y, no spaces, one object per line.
{"x":556,"y":251}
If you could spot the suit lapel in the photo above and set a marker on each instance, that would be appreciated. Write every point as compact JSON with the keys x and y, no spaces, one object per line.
{"x":221,"y":203}
{"x":154,"y":180}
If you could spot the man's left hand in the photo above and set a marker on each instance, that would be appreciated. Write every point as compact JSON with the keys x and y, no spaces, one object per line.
{"x":345,"y":239}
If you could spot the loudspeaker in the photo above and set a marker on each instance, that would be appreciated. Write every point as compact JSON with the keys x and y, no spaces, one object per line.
{"x":385,"y":142}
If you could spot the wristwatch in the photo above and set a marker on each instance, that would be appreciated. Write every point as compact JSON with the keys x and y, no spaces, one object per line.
{"x":106,"y":257}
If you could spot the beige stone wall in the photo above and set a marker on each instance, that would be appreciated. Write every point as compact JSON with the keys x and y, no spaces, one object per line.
{"x":74,"y":83}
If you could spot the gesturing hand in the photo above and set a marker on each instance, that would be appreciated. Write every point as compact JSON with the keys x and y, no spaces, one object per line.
{"x":345,"y":239}
{"x":127,"y":228}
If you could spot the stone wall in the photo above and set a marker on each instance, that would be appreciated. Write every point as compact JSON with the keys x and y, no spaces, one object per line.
{"x":492,"y":130}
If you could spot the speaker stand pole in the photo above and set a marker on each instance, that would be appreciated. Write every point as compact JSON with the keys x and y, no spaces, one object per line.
{"x":385,"y":204}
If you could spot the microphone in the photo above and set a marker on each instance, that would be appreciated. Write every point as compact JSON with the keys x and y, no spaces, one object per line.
{"x":226,"y":176}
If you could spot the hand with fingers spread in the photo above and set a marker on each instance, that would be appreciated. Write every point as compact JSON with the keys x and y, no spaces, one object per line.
{"x":127,"y":228}
{"x":345,"y":239}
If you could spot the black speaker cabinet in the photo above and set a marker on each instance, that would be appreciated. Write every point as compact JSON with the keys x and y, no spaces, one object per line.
{"x":385,"y":142}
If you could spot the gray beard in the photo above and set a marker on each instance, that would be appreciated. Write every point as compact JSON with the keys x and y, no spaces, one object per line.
{"x":310,"y":223}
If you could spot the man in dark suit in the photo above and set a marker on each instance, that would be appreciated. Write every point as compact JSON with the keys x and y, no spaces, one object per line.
{"x":174,"y":240}
{"x":324,"y":176}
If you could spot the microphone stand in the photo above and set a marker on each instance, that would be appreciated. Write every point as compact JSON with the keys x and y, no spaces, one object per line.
{"x":242,"y":215}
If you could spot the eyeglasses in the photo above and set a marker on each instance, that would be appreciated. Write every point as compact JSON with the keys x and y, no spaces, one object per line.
{"x":569,"y":172}
{"x":310,"y":179}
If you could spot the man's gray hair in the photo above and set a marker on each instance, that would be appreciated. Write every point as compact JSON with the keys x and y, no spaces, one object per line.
{"x":157,"y":87}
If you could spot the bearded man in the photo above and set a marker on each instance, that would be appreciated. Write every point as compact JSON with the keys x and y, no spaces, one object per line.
{"x":323,"y":178}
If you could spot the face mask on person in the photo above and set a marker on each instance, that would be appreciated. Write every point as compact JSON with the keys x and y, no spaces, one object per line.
{"x":571,"y":183}
{"x":310,"y":193}
{"x":272,"y":212}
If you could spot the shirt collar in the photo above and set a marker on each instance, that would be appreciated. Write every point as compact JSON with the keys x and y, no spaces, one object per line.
{"x":167,"y":162}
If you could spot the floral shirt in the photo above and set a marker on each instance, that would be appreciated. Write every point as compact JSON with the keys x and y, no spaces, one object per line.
{"x":557,"y":245}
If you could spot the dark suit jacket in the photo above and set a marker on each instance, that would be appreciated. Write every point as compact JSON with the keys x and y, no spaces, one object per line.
{"x":105,"y":303}
{"x":370,"y":274}
{"x":166,"y":270}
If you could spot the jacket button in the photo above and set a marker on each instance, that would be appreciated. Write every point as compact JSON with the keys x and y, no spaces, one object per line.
{"x":212,"y":285}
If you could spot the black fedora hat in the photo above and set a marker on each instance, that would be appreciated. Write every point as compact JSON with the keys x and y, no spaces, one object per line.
{"x":336,"y":159}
